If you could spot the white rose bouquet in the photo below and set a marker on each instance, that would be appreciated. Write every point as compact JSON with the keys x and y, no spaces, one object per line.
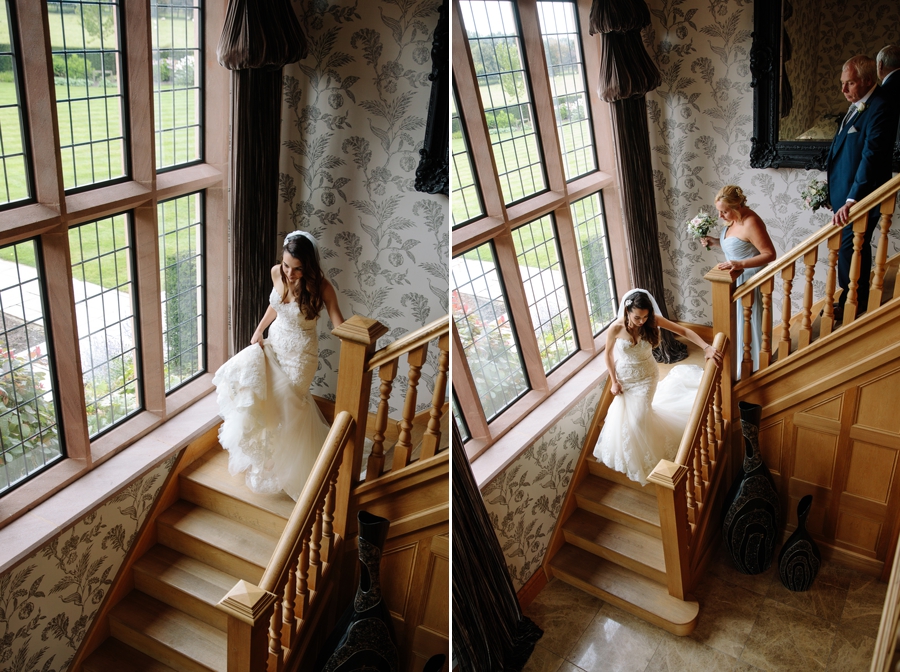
{"x":815,"y":195}
{"x":701,"y":225}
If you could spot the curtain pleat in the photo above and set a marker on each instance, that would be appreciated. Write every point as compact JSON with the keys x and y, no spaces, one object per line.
{"x":632,"y":139}
{"x":490,"y":633}
{"x":259,"y":37}
{"x":618,"y":16}
{"x":626,"y":69}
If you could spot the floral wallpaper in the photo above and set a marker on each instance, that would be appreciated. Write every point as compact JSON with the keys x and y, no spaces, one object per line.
{"x":802,"y":30}
{"x":701,"y":121}
{"x":353,"y":124}
{"x":48,"y":601}
{"x":523,"y":502}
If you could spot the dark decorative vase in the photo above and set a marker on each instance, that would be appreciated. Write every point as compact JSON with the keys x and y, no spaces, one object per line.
{"x":363,"y":639}
{"x":435,"y":663}
{"x":751,"y":506}
{"x":799,"y":560}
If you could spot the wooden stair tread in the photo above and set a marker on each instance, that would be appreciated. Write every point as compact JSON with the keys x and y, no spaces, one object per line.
{"x":628,"y":543}
{"x":115,"y":655}
{"x":626,"y":589}
{"x":597,"y":468}
{"x":605,"y":494}
{"x":211,"y":471}
{"x":184,"y":583}
{"x":219,"y":532}
{"x":177,"y":639}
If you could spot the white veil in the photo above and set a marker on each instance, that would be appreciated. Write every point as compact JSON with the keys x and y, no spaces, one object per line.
{"x":621,"y":312}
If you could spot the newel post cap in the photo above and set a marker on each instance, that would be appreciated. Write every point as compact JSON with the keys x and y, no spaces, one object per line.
{"x":667,"y":474}
{"x":359,"y":329}
{"x":247,"y":603}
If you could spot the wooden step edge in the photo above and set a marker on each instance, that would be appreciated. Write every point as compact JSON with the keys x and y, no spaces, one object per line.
{"x":244,"y":511}
{"x":627,"y":590}
{"x":649,"y":564}
{"x":114,"y":654}
{"x":597,"y":468}
{"x":613,"y":505}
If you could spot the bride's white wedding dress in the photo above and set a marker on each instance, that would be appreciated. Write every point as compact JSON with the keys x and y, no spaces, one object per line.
{"x":645,"y":422}
{"x":273,"y":429}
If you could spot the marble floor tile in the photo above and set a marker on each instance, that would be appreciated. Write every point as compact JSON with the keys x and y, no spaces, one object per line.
{"x":851,"y":652}
{"x":727,"y":614}
{"x":568,"y":667}
{"x":616,"y":641}
{"x":562,"y":612}
{"x":542,"y":660}
{"x":784,"y":639}
{"x":722,"y":566}
{"x":862,"y":610}
{"x":682,"y":654}
{"x":823,"y":599}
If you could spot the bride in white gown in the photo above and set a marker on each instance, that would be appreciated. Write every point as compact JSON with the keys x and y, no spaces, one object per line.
{"x":272,"y":428}
{"x":644,"y":423}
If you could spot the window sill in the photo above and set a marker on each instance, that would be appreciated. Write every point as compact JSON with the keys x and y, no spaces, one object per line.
{"x":31,"y":530}
{"x":536,"y":423}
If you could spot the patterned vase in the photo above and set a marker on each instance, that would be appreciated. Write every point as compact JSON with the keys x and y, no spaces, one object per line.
{"x":363,"y":639}
{"x":799,"y":560}
{"x":751,"y":506}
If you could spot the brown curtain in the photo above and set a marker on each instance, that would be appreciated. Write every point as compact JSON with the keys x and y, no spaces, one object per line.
{"x":259,"y":37}
{"x":627,"y":73}
{"x":489,"y":630}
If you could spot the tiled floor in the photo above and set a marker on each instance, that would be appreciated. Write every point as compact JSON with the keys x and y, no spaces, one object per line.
{"x":746,"y":623}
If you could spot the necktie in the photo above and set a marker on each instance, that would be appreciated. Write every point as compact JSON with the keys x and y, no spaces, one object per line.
{"x":848,"y":117}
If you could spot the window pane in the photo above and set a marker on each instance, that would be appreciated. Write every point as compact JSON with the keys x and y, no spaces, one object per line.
{"x":13,"y":162}
{"x":460,"y":421}
{"x":465,"y":196}
{"x":559,"y":28}
{"x":104,"y":308}
{"x":593,"y":253}
{"x":176,"y":30}
{"x":87,"y":68}
{"x":493,"y":34}
{"x":29,"y":425}
{"x":545,"y":290}
{"x":181,"y":283}
{"x":486,"y":330}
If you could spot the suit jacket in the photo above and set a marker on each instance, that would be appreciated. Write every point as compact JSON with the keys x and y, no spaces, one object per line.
{"x":859,"y":159}
{"x":891,"y":92}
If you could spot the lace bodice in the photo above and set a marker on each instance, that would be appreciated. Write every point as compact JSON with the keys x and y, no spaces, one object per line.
{"x":635,"y":366}
{"x":295,"y":342}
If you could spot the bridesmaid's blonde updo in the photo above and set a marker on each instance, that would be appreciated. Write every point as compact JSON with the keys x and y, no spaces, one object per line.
{"x":732,"y":197}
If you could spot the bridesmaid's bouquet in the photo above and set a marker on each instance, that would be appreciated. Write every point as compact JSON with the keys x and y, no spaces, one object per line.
{"x":815,"y":195}
{"x":701,"y":225}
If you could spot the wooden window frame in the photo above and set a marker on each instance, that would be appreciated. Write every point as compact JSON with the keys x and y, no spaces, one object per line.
{"x":52,"y":211}
{"x":499,"y":219}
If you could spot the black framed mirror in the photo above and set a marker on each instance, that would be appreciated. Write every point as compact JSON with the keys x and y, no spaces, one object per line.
{"x":782,"y":40}
{"x":433,"y":173}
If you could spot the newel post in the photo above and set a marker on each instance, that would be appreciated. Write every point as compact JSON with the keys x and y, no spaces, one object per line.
{"x":671,"y":498}
{"x":249,"y":610}
{"x":358,"y":338}
{"x":725,"y":321}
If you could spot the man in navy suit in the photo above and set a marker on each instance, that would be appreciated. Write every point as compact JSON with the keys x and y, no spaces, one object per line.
{"x":859,"y":161}
{"x":888,"y":63}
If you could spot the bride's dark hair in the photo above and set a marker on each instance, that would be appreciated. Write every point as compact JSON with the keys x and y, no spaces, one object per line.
{"x":649,"y":331}
{"x":308,"y":290}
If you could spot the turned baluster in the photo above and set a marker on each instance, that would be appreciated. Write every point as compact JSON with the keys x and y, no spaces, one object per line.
{"x":315,"y":544}
{"x":852,"y":304}
{"x":717,"y":409}
{"x":826,"y":326}
{"x":375,"y":464}
{"x":710,"y":441}
{"x":784,"y":345}
{"x":704,"y":450}
{"x":689,"y":492}
{"x":698,"y":470}
{"x":289,"y":607}
{"x":276,"y":659}
{"x":765,"y":348}
{"x":302,"y":583}
{"x":884,"y":223}
{"x":327,"y":522}
{"x":432,"y":439}
{"x":809,"y":261}
{"x":403,"y":449}
{"x":747,"y":359}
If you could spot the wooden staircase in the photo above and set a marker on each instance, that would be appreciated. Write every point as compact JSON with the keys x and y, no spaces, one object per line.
{"x":217,"y":533}
{"x":613,"y":549}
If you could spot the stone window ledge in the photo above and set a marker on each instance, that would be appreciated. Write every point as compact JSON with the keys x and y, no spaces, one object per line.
{"x":23,"y":536}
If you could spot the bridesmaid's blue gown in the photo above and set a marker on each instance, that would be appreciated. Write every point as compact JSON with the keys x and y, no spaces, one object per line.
{"x":736,"y":249}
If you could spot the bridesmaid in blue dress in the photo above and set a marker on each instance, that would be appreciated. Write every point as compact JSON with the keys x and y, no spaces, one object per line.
{"x":747,"y":248}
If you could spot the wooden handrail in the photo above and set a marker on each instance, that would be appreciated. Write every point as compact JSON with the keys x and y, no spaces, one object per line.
{"x":701,"y":402}
{"x":304,"y":513}
{"x":857,"y":211}
{"x":409,"y":342}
